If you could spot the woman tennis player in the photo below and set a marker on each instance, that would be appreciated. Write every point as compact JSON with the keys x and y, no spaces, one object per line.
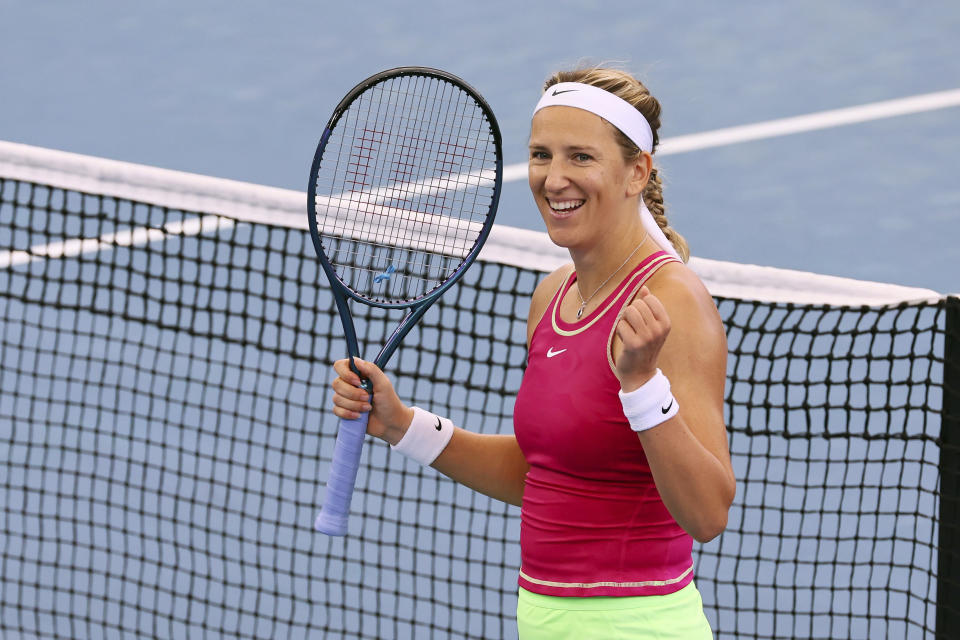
{"x":619,"y":459}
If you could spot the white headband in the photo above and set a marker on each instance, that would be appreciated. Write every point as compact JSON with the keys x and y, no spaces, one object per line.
{"x":615,"y":110}
{"x":621,"y":114}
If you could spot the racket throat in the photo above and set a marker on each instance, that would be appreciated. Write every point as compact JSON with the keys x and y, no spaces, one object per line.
{"x":409,"y":321}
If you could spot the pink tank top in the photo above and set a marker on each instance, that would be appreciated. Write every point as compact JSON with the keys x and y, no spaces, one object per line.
{"x":592,"y":521}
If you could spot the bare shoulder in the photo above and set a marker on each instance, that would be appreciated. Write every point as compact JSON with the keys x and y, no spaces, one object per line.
{"x":542,"y":296}
{"x":696,"y":326}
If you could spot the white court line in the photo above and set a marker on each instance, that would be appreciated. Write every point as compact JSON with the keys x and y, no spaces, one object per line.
{"x":122,"y":238}
{"x":788,"y":126}
{"x":276,"y":207}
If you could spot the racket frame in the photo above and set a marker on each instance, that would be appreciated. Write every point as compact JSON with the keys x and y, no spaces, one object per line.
{"x":416,"y":307}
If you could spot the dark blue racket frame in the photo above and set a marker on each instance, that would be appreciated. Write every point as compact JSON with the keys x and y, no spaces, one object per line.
{"x":334,"y":514}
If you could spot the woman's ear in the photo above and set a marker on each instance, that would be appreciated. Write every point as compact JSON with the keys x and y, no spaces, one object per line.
{"x":640,"y":169}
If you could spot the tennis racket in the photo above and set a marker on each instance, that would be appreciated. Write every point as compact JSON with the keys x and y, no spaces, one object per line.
{"x":402,"y":194}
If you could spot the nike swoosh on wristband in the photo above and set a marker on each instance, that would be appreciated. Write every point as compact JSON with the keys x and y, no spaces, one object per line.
{"x":440,"y":428}
{"x":664,"y":410}
{"x":551,"y":352}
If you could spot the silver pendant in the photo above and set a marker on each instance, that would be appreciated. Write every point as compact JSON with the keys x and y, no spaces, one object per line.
{"x":580,"y":310}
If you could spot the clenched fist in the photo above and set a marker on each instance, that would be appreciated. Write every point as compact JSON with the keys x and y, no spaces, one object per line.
{"x":642,"y":329}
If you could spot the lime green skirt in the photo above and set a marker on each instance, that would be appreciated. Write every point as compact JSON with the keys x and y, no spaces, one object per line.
{"x":676,"y":615}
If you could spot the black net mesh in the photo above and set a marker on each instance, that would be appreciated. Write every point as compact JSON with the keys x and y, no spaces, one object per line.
{"x":164,"y":434}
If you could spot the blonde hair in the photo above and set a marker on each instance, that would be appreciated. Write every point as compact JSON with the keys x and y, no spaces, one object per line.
{"x":625,"y":86}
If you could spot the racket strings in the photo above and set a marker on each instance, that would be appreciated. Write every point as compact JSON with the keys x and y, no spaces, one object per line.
{"x":411,"y":173}
{"x":406,"y":271}
{"x":428,"y":195}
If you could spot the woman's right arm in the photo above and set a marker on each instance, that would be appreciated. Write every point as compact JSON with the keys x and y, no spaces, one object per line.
{"x":491,"y":464}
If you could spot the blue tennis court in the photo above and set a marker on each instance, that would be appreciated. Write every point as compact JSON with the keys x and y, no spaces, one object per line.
{"x":160,"y":412}
{"x":242,"y":91}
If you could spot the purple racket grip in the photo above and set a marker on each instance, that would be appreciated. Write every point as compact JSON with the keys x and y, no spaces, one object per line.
{"x":343,"y":476}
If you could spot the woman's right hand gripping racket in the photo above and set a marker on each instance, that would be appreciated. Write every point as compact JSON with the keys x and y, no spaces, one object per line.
{"x":403,"y":191}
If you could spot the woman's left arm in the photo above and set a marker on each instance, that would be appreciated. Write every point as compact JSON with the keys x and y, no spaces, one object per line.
{"x":678,"y":330}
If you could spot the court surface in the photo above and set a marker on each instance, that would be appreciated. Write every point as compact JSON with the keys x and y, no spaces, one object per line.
{"x":242,"y":90}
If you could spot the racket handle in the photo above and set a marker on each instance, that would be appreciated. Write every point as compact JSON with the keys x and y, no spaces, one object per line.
{"x":343,"y":476}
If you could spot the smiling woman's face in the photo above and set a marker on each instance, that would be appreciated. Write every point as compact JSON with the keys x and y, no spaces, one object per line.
{"x":578,"y":176}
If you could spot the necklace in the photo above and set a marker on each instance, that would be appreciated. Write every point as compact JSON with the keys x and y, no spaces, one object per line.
{"x":583,"y":303}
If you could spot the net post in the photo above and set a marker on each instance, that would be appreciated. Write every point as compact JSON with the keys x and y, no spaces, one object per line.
{"x":948,"y":552}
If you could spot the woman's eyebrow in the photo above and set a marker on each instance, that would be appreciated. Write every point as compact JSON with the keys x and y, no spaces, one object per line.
{"x":570,"y":147}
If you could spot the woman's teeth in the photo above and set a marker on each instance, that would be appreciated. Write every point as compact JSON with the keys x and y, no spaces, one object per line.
{"x":566,"y":205}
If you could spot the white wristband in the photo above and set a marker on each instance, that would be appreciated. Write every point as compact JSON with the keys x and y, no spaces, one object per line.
{"x":426,"y":437}
{"x":650,"y":404}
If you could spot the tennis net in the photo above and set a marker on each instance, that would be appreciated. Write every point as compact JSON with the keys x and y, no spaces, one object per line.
{"x":165,"y":350}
